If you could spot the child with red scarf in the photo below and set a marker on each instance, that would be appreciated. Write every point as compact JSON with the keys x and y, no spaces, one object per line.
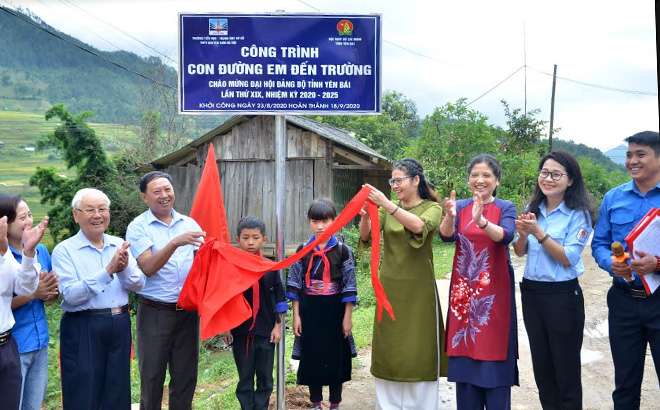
{"x":254,"y":340}
{"x":323,"y":290}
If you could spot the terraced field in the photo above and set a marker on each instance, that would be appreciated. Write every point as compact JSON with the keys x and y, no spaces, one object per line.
{"x":20,"y":130}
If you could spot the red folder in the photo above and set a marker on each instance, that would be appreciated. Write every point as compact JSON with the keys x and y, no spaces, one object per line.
{"x":634,"y":233}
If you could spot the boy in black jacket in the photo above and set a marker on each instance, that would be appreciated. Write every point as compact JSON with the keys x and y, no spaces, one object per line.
{"x":253,"y":342}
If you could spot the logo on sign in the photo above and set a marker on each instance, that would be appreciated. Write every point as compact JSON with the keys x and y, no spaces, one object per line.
{"x":345,"y":28}
{"x":218,"y":27}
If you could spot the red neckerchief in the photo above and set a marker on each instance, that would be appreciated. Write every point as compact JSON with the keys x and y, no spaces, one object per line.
{"x":326,"y":267}
{"x":255,"y":300}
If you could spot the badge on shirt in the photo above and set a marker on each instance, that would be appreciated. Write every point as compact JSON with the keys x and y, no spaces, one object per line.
{"x":582,"y":235}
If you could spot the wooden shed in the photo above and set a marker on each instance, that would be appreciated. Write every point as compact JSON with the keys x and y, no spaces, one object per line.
{"x":321,"y":162}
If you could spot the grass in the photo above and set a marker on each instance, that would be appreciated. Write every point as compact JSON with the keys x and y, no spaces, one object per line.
{"x":443,"y":258}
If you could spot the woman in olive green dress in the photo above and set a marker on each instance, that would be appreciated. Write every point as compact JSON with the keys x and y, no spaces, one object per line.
{"x":406,"y":353}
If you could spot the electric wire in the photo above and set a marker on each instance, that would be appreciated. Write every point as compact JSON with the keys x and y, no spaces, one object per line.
{"x":121,"y":31}
{"x":100,"y":37}
{"x":139,"y":60}
{"x":29,"y":21}
{"x":583,"y":83}
{"x":496,"y":85}
{"x":602,"y":87}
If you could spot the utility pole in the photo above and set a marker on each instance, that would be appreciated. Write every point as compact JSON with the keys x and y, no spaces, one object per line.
{"x":552,"y":107}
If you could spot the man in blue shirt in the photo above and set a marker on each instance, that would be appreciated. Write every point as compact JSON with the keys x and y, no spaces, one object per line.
{"x":164,"y":243}
{"x":634,"y":317}
{"x":95,"y":273}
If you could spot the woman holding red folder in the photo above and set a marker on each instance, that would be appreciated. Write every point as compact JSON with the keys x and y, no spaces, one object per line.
{"x":553,"y":233}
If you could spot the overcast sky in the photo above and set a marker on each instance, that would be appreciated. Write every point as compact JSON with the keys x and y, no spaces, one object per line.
{"x":438,"y":52}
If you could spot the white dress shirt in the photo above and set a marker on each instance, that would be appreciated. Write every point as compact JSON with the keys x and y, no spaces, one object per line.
{"x":21,"y":279}
{"x":83,"y":281}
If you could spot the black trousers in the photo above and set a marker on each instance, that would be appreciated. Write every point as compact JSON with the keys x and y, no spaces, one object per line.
{"x":316,"y":393}
{"x":254,"y":355}
{"x":95,"y":355}
{"x":167,"y":337}
{"x":634,"y":323}
{"x":554,"y":318}
{"x":10,"y":375}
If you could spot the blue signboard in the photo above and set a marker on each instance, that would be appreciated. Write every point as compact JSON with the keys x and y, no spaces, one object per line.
{"x":279,"y":64}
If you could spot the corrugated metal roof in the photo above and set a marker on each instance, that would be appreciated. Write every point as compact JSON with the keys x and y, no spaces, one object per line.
{"x":338,"y":135}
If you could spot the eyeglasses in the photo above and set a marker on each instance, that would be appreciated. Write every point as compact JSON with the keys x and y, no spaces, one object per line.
{"x":556,"y":176}
{"x":92,"y":211}
{"x":397,"y":181}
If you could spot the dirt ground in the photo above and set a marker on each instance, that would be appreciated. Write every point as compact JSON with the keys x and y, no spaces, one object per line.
{"x":597,"y":368}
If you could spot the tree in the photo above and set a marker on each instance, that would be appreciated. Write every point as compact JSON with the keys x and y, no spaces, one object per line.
{"x":521,"y":150}
{"x":81,"y":149}
{"x":163,"y":129}
{"x":523,"y":132}
{"x":449,"y":138}
{"x":388,"y":133}
{"x":402,"y":111}
{"x":599,"y":179}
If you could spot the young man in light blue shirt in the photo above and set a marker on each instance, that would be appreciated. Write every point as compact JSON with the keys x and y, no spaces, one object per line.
{"x":164,"y":243}
{"x":634,"y":317}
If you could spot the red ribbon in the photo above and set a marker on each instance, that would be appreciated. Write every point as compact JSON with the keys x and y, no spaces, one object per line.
{"x":255,"y":300}
{"x":221,"y":272}
{"x":255,"y":303}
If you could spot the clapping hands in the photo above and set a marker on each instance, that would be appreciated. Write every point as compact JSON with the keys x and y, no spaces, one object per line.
{"x":32,"y":236}
{"x":527,"y":224}
{"x":47,"y":288}
{"x":119,"y":262}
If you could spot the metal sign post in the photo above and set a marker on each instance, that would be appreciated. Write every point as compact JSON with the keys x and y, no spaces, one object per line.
{"x":280,"y":195}
{"x":279,"y":64}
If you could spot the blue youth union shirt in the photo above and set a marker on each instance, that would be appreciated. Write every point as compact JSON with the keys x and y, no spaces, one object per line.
{"x":568,"y":227}
{"x":31,"y":327}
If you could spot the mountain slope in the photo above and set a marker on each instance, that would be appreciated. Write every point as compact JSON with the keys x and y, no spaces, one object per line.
{"x":581,"y":150}
{"x":617,"y":154}
{"x":40,"y":66}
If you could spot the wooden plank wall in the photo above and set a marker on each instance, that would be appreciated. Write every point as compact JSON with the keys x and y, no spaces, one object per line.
{"x":245,"y":160}
{"x":185,"y":180}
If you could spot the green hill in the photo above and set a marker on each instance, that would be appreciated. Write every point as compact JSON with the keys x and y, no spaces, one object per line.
{"x":581,"y":150}
{"x":618,"y":154}
{"x":40,"y":66}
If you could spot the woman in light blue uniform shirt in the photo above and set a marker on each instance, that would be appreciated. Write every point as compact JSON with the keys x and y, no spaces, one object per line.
{"x":553,"y":233}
